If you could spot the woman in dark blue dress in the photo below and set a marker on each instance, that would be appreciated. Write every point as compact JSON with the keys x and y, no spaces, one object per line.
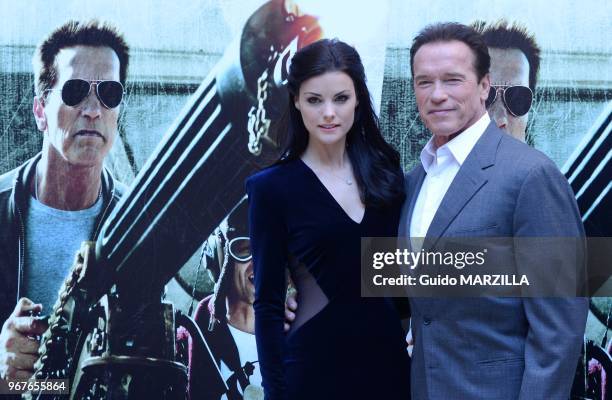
{"x":337,"y":181}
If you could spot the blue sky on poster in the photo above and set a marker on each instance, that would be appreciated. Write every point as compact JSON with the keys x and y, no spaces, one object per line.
{"x":182,"y":24}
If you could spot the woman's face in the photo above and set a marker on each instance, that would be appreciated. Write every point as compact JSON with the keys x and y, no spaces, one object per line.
{"x":327,"y":103}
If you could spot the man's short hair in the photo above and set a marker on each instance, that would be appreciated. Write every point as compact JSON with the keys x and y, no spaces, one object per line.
{"x":449,"y":31}
{"x":76,"y":33}
{"x":501,"y":35}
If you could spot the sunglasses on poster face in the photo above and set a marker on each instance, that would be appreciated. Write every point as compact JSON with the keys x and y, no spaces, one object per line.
{"x":240,"y":249}
{"x":516,"y":99}
{"x":74,"y":91}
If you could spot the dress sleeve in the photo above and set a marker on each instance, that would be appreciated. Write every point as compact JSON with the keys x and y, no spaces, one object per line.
{"x":268,"y":234}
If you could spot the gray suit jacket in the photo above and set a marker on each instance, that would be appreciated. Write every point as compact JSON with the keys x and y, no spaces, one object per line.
{"x":497,"y":347}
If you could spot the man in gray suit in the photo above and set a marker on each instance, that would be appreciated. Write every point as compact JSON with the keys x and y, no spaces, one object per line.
{"x":475,"y":180}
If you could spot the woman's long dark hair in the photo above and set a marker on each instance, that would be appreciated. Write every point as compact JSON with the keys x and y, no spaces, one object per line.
{"x":376,"y":164}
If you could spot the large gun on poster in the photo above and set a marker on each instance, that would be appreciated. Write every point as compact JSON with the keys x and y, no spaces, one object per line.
{"x":110,"y":335}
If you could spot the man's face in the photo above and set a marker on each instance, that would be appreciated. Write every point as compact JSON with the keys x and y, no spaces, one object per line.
{"x":449,"y":96}
{"x":81,"y":135}
{"x":243,"y":288}
{"x":508,"y":67}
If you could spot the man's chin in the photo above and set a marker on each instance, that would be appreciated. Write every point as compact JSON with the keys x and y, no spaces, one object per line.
{"x":442,"y":136}
{"x":85,"y":158}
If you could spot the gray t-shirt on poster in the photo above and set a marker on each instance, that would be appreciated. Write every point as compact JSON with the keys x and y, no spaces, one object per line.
{"x":52,"y":239}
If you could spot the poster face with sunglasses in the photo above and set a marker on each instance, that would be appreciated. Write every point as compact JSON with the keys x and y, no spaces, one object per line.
{"x":81,"y":128}
{"x":510,"y":108}
{"x":178,"y":50}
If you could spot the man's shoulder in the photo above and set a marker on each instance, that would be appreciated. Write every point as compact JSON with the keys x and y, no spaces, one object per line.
{"x":7,"y":181}
{"x":111,"y":184}
{"x":513,"y":146}
{"x":120,"y":188}
{"x":414,"y":171}
{"x":518,"y":158}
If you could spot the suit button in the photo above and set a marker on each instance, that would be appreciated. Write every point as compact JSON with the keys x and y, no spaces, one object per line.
{"x":426,"y":321}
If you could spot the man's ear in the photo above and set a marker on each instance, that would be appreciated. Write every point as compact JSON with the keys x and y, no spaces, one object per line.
{"x":38,"y":108}
{"x":485,"y":85}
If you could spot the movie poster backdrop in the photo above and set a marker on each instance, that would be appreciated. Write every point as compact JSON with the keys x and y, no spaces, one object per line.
{"x":224,"y":62}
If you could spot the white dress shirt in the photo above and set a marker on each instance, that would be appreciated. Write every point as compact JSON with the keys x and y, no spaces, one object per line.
{"x":441,"y":166}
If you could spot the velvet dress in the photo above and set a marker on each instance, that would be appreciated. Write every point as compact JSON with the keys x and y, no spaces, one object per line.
{"x":341,"y":346}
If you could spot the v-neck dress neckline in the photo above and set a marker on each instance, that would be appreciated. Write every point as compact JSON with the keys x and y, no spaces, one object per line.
{"x":331,"y":196}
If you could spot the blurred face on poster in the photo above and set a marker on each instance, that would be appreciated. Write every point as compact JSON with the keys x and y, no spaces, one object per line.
{"x":449,"y":96}
{"x":242,"y":287}
{"x":510,"y":69}
{"x":327,"y":104}
{"x":82,"y":134}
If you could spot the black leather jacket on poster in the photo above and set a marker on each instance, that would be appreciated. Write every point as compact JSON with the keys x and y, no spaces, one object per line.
{"x":14,"y":192}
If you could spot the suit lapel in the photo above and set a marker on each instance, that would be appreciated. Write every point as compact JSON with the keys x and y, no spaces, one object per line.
{"x":470,"y":178}
{"x":465,"y":185}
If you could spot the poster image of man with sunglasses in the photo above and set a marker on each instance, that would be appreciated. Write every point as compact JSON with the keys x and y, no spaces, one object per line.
{"x":226,"y":317}
{"x":515,"y":61}
{"x":60,"y":197}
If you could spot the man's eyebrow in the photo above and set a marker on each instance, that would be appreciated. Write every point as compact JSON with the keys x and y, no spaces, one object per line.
{"x":454,"y":75}
{"x":421,"y":76}
{"x":446,"y":75}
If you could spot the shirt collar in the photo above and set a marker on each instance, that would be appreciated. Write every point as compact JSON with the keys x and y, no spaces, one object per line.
{"x":460,"y":146}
